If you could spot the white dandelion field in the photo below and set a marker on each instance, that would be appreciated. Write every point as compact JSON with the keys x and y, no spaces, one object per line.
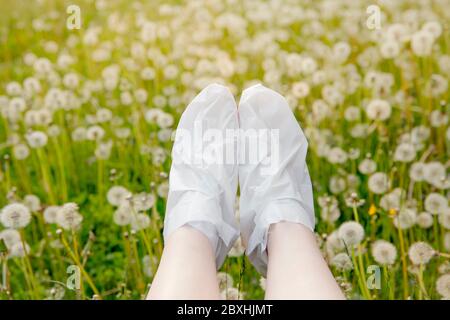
{"x":87,"y":115}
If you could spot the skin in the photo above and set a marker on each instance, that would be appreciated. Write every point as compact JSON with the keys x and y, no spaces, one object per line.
{"x":187,"y":269}
{"x":296,"y":268}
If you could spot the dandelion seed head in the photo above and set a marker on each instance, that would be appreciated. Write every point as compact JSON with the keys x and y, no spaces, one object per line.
{"x":117,"y":195}
{"x":123,"y":214}
{"x":443,"y":286}
{"x":32,"y":202}
{"x":10,"y":237}
{"x":21,"y":151}
{"x":140,"y":221}
{"x":406,"y":218}
{"x":143,"y":201}
{"x":50,"y":214}
{"x":378,"y":183}
{"x":447,"y":241}
{"x":342,"y":262}
{"x":420,"y":253}
{"x":351,"y":233}
{"x":405,"y":152}
{"x":68,"y":216}
{"x":19,"y":250}
{"x":444,"y":219}
{"x":384,"y":252}
{"x":425,"y":220}
{"x":148,"y":264}
{"x":225,"y":280}
{"x":378,"y":110}
{"x":15,"y":216}
{"x":436,"y":203}
{"x":367,"y":166}
{"x":36,"y":139}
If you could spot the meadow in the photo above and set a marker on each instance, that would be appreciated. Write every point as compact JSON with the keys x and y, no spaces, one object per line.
{"x":87,"y":116}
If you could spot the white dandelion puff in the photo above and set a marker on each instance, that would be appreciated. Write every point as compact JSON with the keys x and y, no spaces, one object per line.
{"x":51,"y":213}
{"x":19,"y":250}
{"x":406,"y":218}
{"x":405,"y":152}
{"x":36,"y":139}
{"x":32,"y":202}
{"x":444,"y":219}
{"x":424,"y":220}
{"x":378,"y":183}
{"x":367,"y":166}
{"x":21,"y":151}
{"x":443,"y":286}
{"x":420,"y":253}
{"x":351,"y":233}
{"x":378,"y":110}
{"x":143,"y":201}
{"x":436,"y":203}
{"x":117,"y":195}
{"x":15,"y":216}
{"x":140,"y":221}
{"x":123,"y":214}
{"x":384,"y":252}
{"x":68,"y":216}
{"x":342,"y":262}
{"x":10,"y":237}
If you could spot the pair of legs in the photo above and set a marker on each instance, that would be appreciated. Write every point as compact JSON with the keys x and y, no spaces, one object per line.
{"x":296,"y":268}
{"x":200,"y":226}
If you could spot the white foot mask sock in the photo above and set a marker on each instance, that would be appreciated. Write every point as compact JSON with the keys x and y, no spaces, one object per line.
{"x":202,"y":184}
{"x":277,"y":186}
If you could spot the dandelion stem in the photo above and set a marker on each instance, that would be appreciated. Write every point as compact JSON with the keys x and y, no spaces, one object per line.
{"x":78,"y":263}
{"x":404,"y":264}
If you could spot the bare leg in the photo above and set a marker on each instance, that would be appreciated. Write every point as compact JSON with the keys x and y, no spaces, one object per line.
{"x":296,"y":268}
{"x":187,"y":269}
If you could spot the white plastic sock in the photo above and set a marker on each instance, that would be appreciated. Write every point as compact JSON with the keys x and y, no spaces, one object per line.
{"x":277,"y":187}
{"x":202,"y":188}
